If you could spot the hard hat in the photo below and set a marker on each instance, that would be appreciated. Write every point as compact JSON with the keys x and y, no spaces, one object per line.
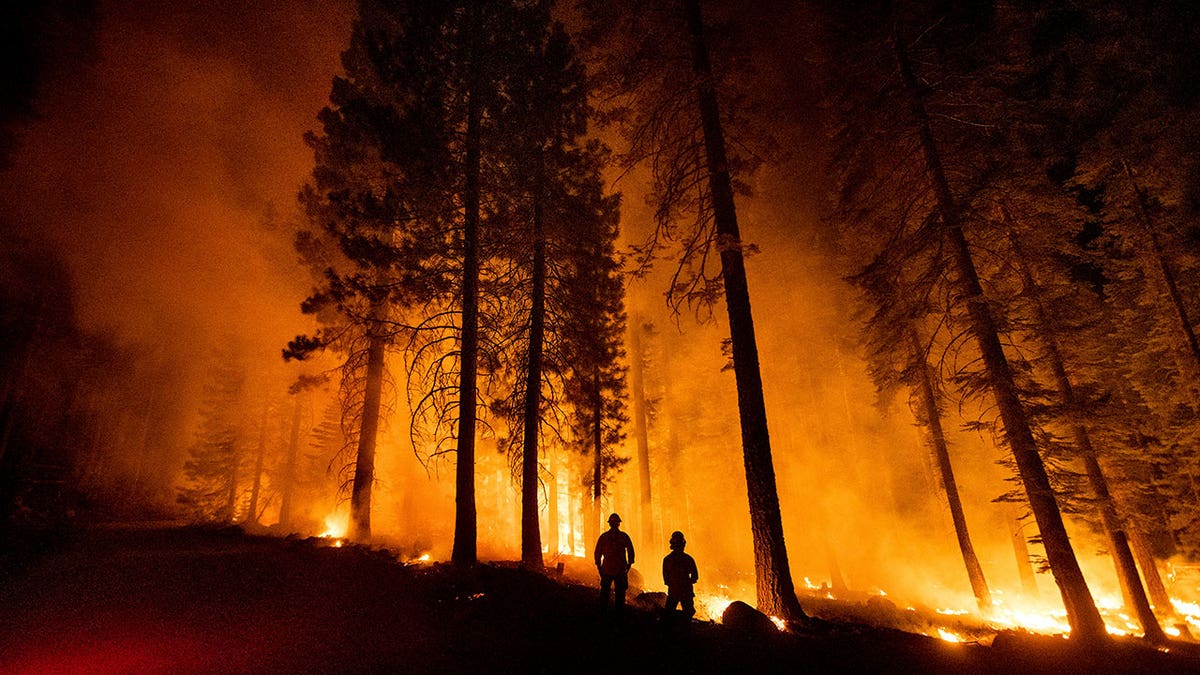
{"x":677,"y":537}
{"x":614,"y":518}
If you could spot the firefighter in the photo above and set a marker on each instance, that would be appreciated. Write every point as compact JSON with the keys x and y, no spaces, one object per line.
{"x":679,"y":574}
{"x":614,"y":558}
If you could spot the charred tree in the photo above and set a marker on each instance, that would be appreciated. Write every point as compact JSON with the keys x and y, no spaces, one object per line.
{"x":1021,"y":551}
{"x":597,"y":485}
{"x":289,"y":468}
{"x":637,"y":362}
{"x":364,"y":458}
{"x":1084,"y":618}
{"x":552,"y":517}
{"x":776,"y":593}
{"x":1159,"y":597}
{"x":465,"y":528}
{"x":941,"y":454}
{"x":259,"y":455}
{"x":531,"y":539}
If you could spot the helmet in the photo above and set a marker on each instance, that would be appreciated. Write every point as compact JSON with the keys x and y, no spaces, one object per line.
{"x":614,"y":519}
{"x":677,"y":539}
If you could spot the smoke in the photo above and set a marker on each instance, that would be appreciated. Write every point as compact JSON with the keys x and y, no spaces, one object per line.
{"x":156,"y":169}
{"x":163,"y":170}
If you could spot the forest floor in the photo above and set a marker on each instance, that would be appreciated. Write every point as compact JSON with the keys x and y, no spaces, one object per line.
{"x":190,"y":600}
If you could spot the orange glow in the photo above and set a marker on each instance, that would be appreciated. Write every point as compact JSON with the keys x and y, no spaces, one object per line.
{"x":949,"y":636}
{"x":336,"y":527}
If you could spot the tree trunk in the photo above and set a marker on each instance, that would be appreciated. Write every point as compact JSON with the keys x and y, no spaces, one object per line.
{"x":589,"y":526}
{"x":1131,"y":584}
{"x":776,"y":593}
{"x":1154,"y":583}
{"x":531,"y":538}
{"x":256,"y":484}
{"x":289,"y":470}
{"x":552,"y":504}
{"x":1164,"y":267}
{"x":1084,"y":618}
{"x":465,"y":533}
{"x":1127,"y":574}
{"x":941,"y":453}
{"x":637,"y":358}
{"x":229,"y":511}
{"x":598,"y":447}
{"x":1021,"y":551}
{"x":364,"y":461}
{"x":837,"y":582}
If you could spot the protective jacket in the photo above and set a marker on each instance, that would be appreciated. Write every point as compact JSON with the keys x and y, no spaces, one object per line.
{"x":679,"y":573}
{"x":611,"y":553}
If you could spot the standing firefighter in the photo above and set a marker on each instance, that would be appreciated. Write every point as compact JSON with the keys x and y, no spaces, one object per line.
{"x":679,"y":574}
{"x":614,"y":558}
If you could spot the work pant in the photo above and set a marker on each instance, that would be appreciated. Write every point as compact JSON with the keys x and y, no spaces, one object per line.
{"x":688,"y":602}
{"x":606,"y":587}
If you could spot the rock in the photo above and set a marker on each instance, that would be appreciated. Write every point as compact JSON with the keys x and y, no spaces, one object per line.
{"x":742,"y":617}
{"x":650,"y":600}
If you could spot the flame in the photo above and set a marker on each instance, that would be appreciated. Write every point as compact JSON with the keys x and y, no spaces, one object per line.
{"x":336,"y":527}
{"x":950,"y":636}
{"x":714,"y":605}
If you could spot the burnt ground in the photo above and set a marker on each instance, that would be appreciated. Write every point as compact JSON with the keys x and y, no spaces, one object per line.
{"x":189,"y":600}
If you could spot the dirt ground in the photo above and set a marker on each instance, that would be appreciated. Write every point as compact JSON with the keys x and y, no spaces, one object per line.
{"x":190,"y":600}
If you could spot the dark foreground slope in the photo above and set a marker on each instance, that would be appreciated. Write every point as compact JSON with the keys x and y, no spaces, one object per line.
{"x":190,"y":600}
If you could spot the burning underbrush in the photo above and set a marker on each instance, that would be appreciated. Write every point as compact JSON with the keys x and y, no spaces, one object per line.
{"x":204,"y":600}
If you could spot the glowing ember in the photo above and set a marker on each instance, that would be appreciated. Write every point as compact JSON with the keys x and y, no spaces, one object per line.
{"x":425,"y":557}
{"x":779,"y":623}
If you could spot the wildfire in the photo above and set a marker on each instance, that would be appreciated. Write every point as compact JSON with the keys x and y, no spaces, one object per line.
{"x":336,"y":527}
{"x":949,"y":636}
{"x":714,"y":605}
{"x":1189,"y":611}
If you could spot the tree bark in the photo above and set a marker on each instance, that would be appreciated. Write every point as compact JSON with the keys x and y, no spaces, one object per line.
{"x":464,"y":553}
{"x":775,"y":590}
{"x":364,"y":459}
{"x":637,"y":356}
{"x":941,"y":453}
{"x":531,"y":538}
{"x":1084,"y":618}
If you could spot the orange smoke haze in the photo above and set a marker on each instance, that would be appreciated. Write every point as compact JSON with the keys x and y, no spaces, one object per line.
{"x":164,"y":172}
